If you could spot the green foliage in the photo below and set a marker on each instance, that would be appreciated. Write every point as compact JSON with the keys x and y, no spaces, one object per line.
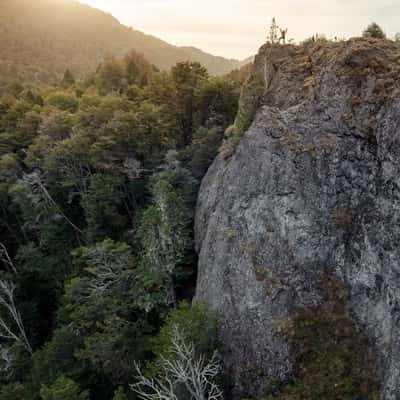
{"x":120,"y":394}
{"x":197,"y":325}
{"x":137,"y":69}
{"x":15,"y":88}
{"x":166,"y":238}
{"x":18,"y":126}
{"x":102,"y":303}
{"x":115,"y":76}
{"x":63,"y":389}
{"x":32,"y":96}
{"x":57,"y":125}
{"x":9,"y":170}
{"x":98,"y":185}
{"x":374,"y":31}
{"x":27,"y":128}
{"x":63,"y":102}
{"x":100,"y":202}
{"x":13,"y":391}
{"x":106,"y":269}
{"x":58,"y":357}
{"x":217,"y":102}
{"x":249,"y":102}
{"x":110,"y":76}
{"x":333,"y":358}
{"x":68,"y":79}
{"x":204,"y":148}
{"x":21,"y":367}
{"x":134,"y":93}
{"x":186,"y":77}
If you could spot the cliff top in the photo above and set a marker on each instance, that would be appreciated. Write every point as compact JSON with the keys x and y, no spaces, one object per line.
{"x":300,"y":69}
{"x":347,"y":81}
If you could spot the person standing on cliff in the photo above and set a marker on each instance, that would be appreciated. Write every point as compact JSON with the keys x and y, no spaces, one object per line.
{"x":283,"y":35}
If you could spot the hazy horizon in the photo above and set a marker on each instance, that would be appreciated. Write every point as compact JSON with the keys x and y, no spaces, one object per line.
{"x":237,"y":28}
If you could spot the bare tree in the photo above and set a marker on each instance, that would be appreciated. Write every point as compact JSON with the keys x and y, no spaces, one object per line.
{"x":8,"y":304}
{"x":196,"y":374}
{"x":133,"y":168}
{"x":108,"y":264}
{"x":154,"y":389}
{"x":6,"y":259}
{"x":43,"y":197}
{"x":6,"y":360}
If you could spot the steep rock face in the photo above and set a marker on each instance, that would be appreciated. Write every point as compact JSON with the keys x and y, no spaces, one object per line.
{"x":312,"y":189}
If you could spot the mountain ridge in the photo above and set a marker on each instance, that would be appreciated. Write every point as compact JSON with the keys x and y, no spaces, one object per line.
{"x":41,"y":39}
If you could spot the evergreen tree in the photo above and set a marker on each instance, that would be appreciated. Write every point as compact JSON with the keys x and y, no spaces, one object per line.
{"x":374,"y":31}
{"x":96,"y":222}
{"x":63,"y":389}
{"x":186,"y":77}
{"x":68,"y":79}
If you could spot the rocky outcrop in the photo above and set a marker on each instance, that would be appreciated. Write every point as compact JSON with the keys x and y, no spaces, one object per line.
{"x":313,"y":189}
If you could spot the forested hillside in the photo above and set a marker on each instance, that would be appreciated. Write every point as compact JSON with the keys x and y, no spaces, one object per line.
{"x":40,"y":39}
{"x":97,"y":190}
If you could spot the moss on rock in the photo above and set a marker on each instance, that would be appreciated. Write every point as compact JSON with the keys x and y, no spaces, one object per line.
{"x":249,"y":103}
{"x":333,"y":361}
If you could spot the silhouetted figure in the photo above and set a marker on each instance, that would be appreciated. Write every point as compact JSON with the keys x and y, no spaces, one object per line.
{"x":283,"y":35}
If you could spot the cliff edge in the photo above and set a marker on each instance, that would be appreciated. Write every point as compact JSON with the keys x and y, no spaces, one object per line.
{"x":298,"y":230}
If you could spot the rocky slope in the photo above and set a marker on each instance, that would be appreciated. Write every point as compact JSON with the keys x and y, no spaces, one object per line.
{"x":311,"y":193}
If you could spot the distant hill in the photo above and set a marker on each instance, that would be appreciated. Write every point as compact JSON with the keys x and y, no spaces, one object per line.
{"x":40,"y":39}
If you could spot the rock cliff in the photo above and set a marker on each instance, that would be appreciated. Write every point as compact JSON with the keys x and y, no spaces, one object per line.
{"x":310,"y":194}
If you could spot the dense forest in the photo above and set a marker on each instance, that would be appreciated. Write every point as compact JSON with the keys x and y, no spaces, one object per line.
{"x":97,"y":191}
{"x":105,"y":136}
{"x":40,"y":39}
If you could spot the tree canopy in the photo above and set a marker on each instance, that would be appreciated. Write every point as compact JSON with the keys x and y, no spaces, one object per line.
{"x":374,"y":31}
{"x":98,"y":182}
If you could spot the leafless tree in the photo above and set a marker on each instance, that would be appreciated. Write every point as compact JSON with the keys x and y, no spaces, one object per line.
{"x":107,"y":268}
{"x":6,"y":259}
{"x":7,"y":302}
{"x":43,"y":197}
{"x":5,"y":359}
{"x":171,"y":160}
{"x":154,"y":389}
{"x":133,"y":168}
{"x":196,"y":374}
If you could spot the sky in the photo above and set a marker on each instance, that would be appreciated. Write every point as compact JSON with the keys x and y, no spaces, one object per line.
{"x":237,"y":28}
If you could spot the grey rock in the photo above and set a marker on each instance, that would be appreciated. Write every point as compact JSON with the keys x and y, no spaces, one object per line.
{"x":313,"y":187}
